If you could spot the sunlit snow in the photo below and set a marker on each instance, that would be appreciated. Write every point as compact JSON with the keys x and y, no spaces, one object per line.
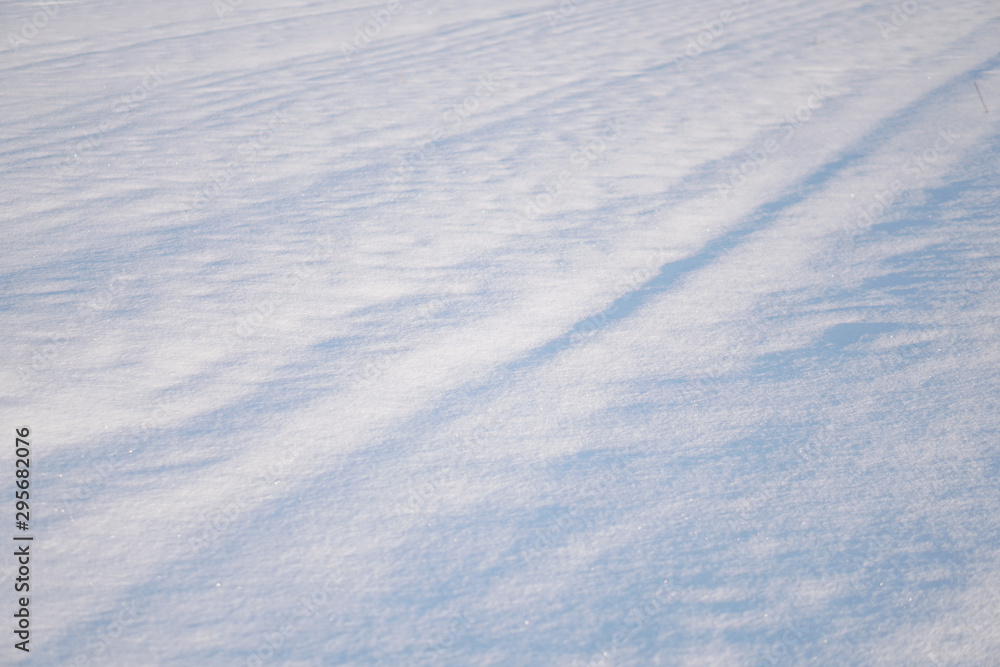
{"x":536,"y":332}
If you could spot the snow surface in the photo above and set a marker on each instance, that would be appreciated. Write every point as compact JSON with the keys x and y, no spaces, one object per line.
{"x":472,"y":345}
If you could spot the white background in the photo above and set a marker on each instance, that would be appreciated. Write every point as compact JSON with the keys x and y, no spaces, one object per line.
{"x":506,"y":334}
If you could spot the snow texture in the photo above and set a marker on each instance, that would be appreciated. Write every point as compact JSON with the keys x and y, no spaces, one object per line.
{"x":522,"y":333}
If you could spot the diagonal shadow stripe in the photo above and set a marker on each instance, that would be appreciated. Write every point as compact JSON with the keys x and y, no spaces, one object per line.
{"x":673,"y":272}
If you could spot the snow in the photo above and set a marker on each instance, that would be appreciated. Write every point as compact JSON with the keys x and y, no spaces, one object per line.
{"x":527,"y":333}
